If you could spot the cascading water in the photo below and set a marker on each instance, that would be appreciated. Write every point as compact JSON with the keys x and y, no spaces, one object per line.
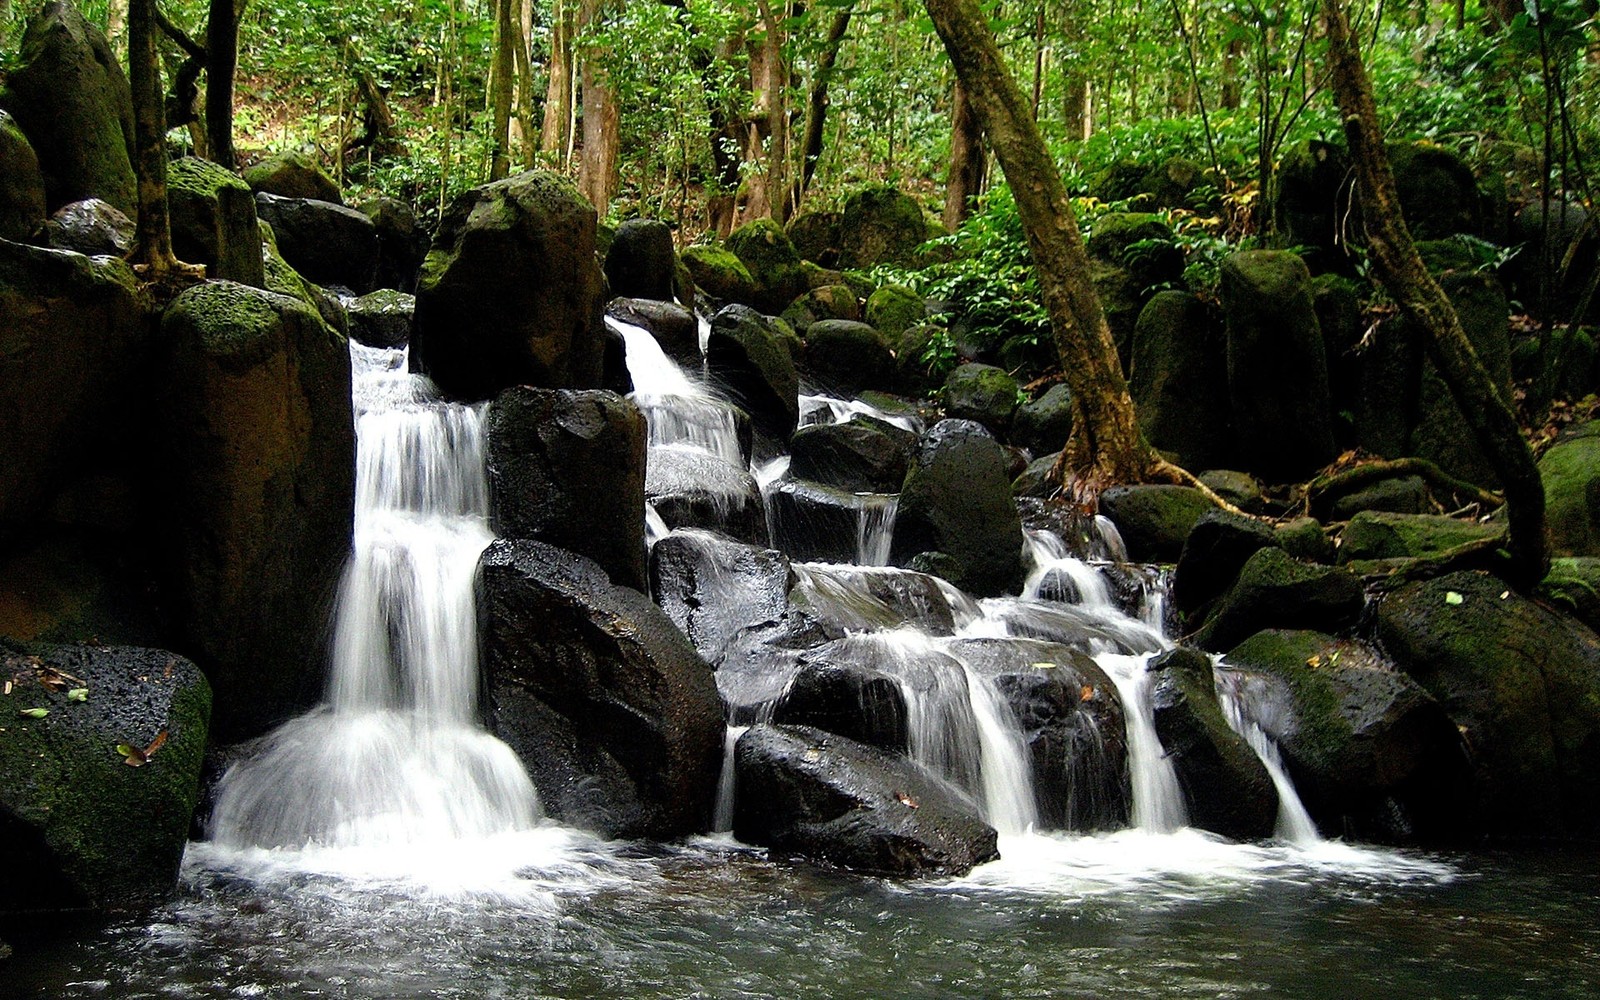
{"x":395,"y":754}
{"x":1294,"y":823}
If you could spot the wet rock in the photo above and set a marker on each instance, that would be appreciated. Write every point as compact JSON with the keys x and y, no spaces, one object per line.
{"x":567,"y":467}
{"x":982,"y":393}
{"x":691,"y":488}
{"x":1376,"y":535}
{"x":1212,"y":556}
{"x":641,"y":262}
{"x":382,"y":318}
{"x":1043,"y":425}
{"x":956,"y":501}
{"x":1571,"y":474}
{"x":880,"y":225}
{"x":747,"y":357}
{"x":871,"y":599}
{"x":1037,"y":479}
{"x":22,"y":204}
{"x":721,"y":275}
{"x":862,"y":455}
{"x":1274,"y":590}
{"x":847,"y":698}
{"x":84,"y":830}
{"x":1154,"y":520}
{"x":402,"y":243}
{"x":845,"y":357}
{"x":511,"y":294}
{"x":214,"y":221}
{"x":674,"y":327}
{"x":328,"y":243}
{"x":777,"y":278}
{"x":614,"y":713}
{"x":292,"y":175}
{"x":828,"y":799}
{"x":1226,"y":788}
{"x":91,"y":227}
{"x":813,"y":522}
{"x":713,"y":587}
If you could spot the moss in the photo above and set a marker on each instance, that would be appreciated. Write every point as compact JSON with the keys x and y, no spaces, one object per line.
{"x":774,"y":266}
{"x":292,"y":175}
{"x":716,"y":271}
{"x":1380,"y":535}
{"x":1573,"y":585}
{"x":893,"y":309}
{"x":201,"y":177}
{"x":880,"y":225}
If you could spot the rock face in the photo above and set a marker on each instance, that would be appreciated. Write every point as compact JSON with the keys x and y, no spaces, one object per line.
{"x":214,"y":221}
{"x":71,"y":99}
{"x":745,"y":355}
{"x":566,"y":467}
{"x":614,"y":713}
{"x":91,"y":227}
{"x":956,"y":508}
{"x":1571,"y":474}
{"x":862,"y":455}
{"x":292,"y":175}
{"x":983,"y":393}
{"x":82,"y":829}
{"x":328,"y":243}
{"x":713,"y":587}
{"x":1179,"y":365}
{"x":381,"y":318}
{"x":22,"y":205}
{"x":641,"y":262}
{"x":829,"y":799}
{"x":511,"y":294}
{"x":258,"y":491}
{"x":1522,"y":683}
{"x":880,"y":225}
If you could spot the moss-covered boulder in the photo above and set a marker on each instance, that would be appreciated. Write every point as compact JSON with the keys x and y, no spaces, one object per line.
{"x":22,"y":202}
{"x":1394,"y":495}
{"x":823,"y":302}
{"x":894,"y":309}
{"x":330,"y":244}
{"x":71,"y":99}
{"x":880,"y":225}
{"x":292,"y":175}
{"x":1043,"y":424}
{"x":1373,"y":755}
{"x":1336,"y":300}
{"x":1571,"y":474}
{"x":1305,"y":539}
{"x":381,"y":318}
{"x":641,"y":261}
{"x":1441,"y":432}
{"x":983,"y":393}
{"x":815,"y":236}
{"x":257,"y":493}
{"x":1154,"y":520}
{"x":748,"y":358}
{"x":1275,"y":590}
{"x":511,"y":293}
{"x":675,"y":327}
{"x":775,"y":272}
{"x":91,"y":227}
{"x":720,"y":274}
{"x":1314,"y":201}
{"x":402,"y":243}
{"x":1521,"y":682}
{"x":214,"y":221}
{"x":84,"y":830}
{"x":1179,"y":370}
{"x":1438,"y":192}
{"x":1213,"y":554}
{"x":1382,"y":535}
{"x":845,"y":357}
{"x":1573,"y":585}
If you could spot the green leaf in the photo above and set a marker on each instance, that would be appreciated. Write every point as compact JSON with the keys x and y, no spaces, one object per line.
{"x":78,"y":694}
{"x":36,"y":713}
{"x":1453,"y":597}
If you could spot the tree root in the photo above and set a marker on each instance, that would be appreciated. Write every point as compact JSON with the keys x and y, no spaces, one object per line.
{"x":1326,"y":489}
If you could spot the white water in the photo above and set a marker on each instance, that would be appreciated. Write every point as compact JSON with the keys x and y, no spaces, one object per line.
{"x":875,"y":528}
{"x":395,"y":755}
{"x":1294,"y":823}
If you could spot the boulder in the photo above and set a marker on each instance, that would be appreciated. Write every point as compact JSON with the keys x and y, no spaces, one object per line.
{"x":292,"y":175}
{"x":1571,"y":474}
{"x":511,"y":293}
{"x":1523,"y":685}
{"x":1380,"y":535}
{"x":846,"y":357}
{"x":1373,"y":755}
{"x":567,"y":467}
{"x":862,"y":455}
{"x":823,"y":302}
{"x":91,"y":227}
{"x":777,"y":278}
{"x":693,"y":488}
{"x":1305,"y":539}
{"x":1226,"y":788}
{"x":847,"y":599}
{"x":22,"y":204}
{"x":1437,"y":190}
{"x":720,"y":274}
{"x":713,"y":587}
{"x":1313,"y":205}
{"x":982,"y":393}
{"x":83,"y":829}
{"x":1038,"y":479}
{"x":1573,"y":585}
{"x":845,"y":696}
{"x":810,"y":794}
{"x":402,"y":243}
{"x":1179,"y":366}
{"x":214,"y":221}
{"x":1395,"y":495}
{"x":1043,"y":425}
{"x":1441,"y":431}
{"x":1238,"y":488}
{"x":70,"y":98}
{"x":675,"y":327}
{"x":615,"y":715}
{"x":746,"y":355}
{"x":815,"y":236}
{"x":1277,"y":371}
{"x":1274,"y":590}
{"x":381,"y":318}
{"x":328,"y":243}
{"x":1567,"y":366}
{"x":816,"y":523}
{"x":641,"y":261}
{"x":1154,"y":520}
{"x":894,"y":309}
{"x":880,"y":225}
{"x":1337,"y":302}
{"x":1216,"y":549}
{"x":956,"y":501}
{"x":256,"y":492}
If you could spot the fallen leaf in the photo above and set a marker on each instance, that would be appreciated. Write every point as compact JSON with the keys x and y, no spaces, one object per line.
{"x":78,"y":694}
{"x":907,"y":800}
{"x":36,"y":713}
{"x":1086,"y":694}
{"x":1505,"y":594}
{"x":131,"y":756}
{"x":1453,"y":597}
{"x":1314,"y":660}
{"x":8,"y":687}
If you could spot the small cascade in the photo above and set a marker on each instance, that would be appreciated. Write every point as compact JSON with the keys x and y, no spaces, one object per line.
{"x":395,"y":754}
{"x":1157,"y":798}
{"x":875,"y":528}
{"x":818,"y":409}
{"x":722,"y":816}
{"x":1294,"y":823}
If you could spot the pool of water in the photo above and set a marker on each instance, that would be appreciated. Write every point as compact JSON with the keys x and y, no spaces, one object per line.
{"x":553,"y":913}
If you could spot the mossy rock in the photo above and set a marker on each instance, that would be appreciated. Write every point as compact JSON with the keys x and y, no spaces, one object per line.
{"x":1305,"y":539}
{"x":764,"y":249}
{"x":22,"y":204}
{"x":846,"y":357}
{"x":983,"y":393}
{"x":214,"y":221}
{"x":815,"y":236}
{"x":1570,"y":370}
{"x":820,"y":303}
{"x":1573,"y":585}
{"x":1179,"y":362}
{"x":1139,"y":242}
{"x":880,"y":225}
{"x":1395,"y":495}
{"x":1384,"y":535}
{"x":720,"y":274}
{"x":1043,"y":424}
{"x":1437,"y":191}
{"x":1154,"y":520}
{"x":1571,"y":474}
{"x":894,"y":309}
{"x":293,"y":175}
{"x":1275,"y":590}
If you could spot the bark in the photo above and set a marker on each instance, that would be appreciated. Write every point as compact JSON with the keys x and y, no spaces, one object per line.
{"x":152,"y":256}
{"x":817,"y":106}
{"x":502,"y":73}
{"x":222,"y":59}
{"x":1106,"y":446}
{"x":522,"y":124}
{"x":379,"y":132}
{"x":967,"y":161}
{"x":1404,"y":275}
{"x":116,"y":22}
{"x":597,"y":171}
{"x":558,"y":95}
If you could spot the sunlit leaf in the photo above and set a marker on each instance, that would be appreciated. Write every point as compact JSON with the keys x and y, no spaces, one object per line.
{"x":36,"y":713}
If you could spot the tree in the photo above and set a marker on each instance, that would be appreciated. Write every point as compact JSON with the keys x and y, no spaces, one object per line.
{"x":502,"y":74}
{"x":153,"y":256}
{"x":222,"y":59}
{"x":1403,"y":273}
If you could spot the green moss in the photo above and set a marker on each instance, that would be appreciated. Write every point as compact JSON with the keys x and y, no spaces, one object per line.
{"x":1380,"y":535}
{"x":202,"y":177}
{"x":774,"y":265}
{"x":1301,"y":659}
{"x":716,"y":271}
{"x":893,"y":309}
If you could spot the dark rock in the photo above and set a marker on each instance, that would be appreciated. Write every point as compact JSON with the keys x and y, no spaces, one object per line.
{"x":847,"y":357}
{"x":1037,"y":479}
{"x":982,"y":393}
{"x":1397,"y":495}
{"x":1440,"y":435}
{"x":1571,"y":474}
{"x":1179,"y":365}
{"x":862,"y":455}
{"x":1216,"y":549}
{"x":511,"y":294}
{"x":675,"y":328}
{"x":846,"y":697}
{"x":813,"y":522}
{"x":257,"y":493}
{"x":1573,"y":585}
{"x":382,"y":318}
{"x":292,"y":175}
{"x":691,"y":488}
{"x":214,"y":221}
{"x":82,"y":829}
{"x":1276,"y":591}
{"x":823,"y":302}
{"x":1373,"y":755}
{"x":90,"y":580}
{"x":957,"y":501}
{"x":402,"y":243}
{"x":720,"y":274}
{"x":880,"y":225}
{"x":22,"y":204}
{"x":1043,"y":425}
{"x":1523,"y":685}
{"x":1141,"y":244}
{"x":1315,"y":195}
{"x":1437,"y":191}
{"x":815,"y":236}
{"x":92,"y":227}
{"x":1238,"y":488}
{"x":1305,"y":539}
{"x":70,"y":98}
{"x":893,"y":310}
{"x":615,"y":715}
{"x":746,"y":356}
{"x":775,"y":272}
{"x":328,"y":243}
{"x":641,"y":261}
{"x":567,"y":467}
{"x":1226,"y":788}
{"x":843,"y":598}
{"x":825,"y":798}
{"x":1154,"y":520}
{"x":1569,"y":367}
{"x":1337,"y":303}
{"x":713,"y":587}
{"x":1379,"y":535}
{"x":1277,"y":371}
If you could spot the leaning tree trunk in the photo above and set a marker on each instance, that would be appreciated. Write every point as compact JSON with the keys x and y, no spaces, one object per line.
{"x":1406,"y":278}
{"x":1106,"y":446}
{"x":967,"y":161}
{"x":817,"y":106}
{"x":222,"y":59}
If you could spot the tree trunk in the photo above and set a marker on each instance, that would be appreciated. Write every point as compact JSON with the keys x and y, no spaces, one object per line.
{"x":817,"y":106}
{"x":967,"y":160}
{"x":116,"y":23}
{"x":1407,"y":280}
{"x":502,"y":74}
{"x":222,"y":58}
{"x":152,"y":256}
{"x":1106,"y":446}
{"x":558,"y":95}
{"x":775,"y":85}
{"x":597,"y":171}
{"x":522,"y":124}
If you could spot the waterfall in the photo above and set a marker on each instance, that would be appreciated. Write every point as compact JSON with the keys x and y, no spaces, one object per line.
{"x":1157,"y":797}
{"x":875,"y":528}
{"x":395,"y":753}
{"x":1294,"y":823}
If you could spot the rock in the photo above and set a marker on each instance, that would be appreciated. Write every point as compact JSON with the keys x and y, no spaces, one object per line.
{"x":257,"y":493}
{"x":1396,"y":495}
{"x":567,"y":467}
{"x":382,"y":318}
{"x":1571,"y":370}
{"x":982,"y":393}
{"x":84,"y":830}
{"x":747,"y":357}
{"x":1037,"y":479}
{"x":1139,"y":242}
{"x":22,"y":204}
{"x":1226,"y":788}
{"x":641,"y":261}
{"x":214,"y":221}
{"x":69,"y":96}
{"x":1381,"y":535}
{"x":862,"y":455}
{"x":1154,"y":520}
{"x":1179,"y":363}
{"x":815,"y":236}
{"x":1372,"y":754}
{"x":1216,"y":549}
{"x":1437,"y":191}
{"x":1043,"y":425}
{"x":880,"y":225}
{"x":894,"y":309}
{"x":845,"y":696}
{"x":292,"y":175}
{"x":1303,"y":538}
{"x":816,"y":523}
{"x":1523,"y":685}
{"x":675,"y":328}
{"x":956,"y":500}
{"x":846,"y":357}
{"x":848,"y":599}
{"x":91,"y":227}
{"x":1440,"y":433}
{"x":775,"y":272}
{"x":615,"y":715}
{"x":511,"y":294}
{"x":1276,"y":591}
{"x":1571,"y":474}
{"x":1314,"y":202}
{"x":1277,"y":371}
{"x":825,"y":798}
{"x":328,"y":243}
{"x":1337,"y":303}
{"x":402,"y":243}
{"x":713,"y":587}
{"x":1238,"y":488}
{"x":823,"y":302}
{"x":1573,"y":585}
{"x":720,"y":274}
